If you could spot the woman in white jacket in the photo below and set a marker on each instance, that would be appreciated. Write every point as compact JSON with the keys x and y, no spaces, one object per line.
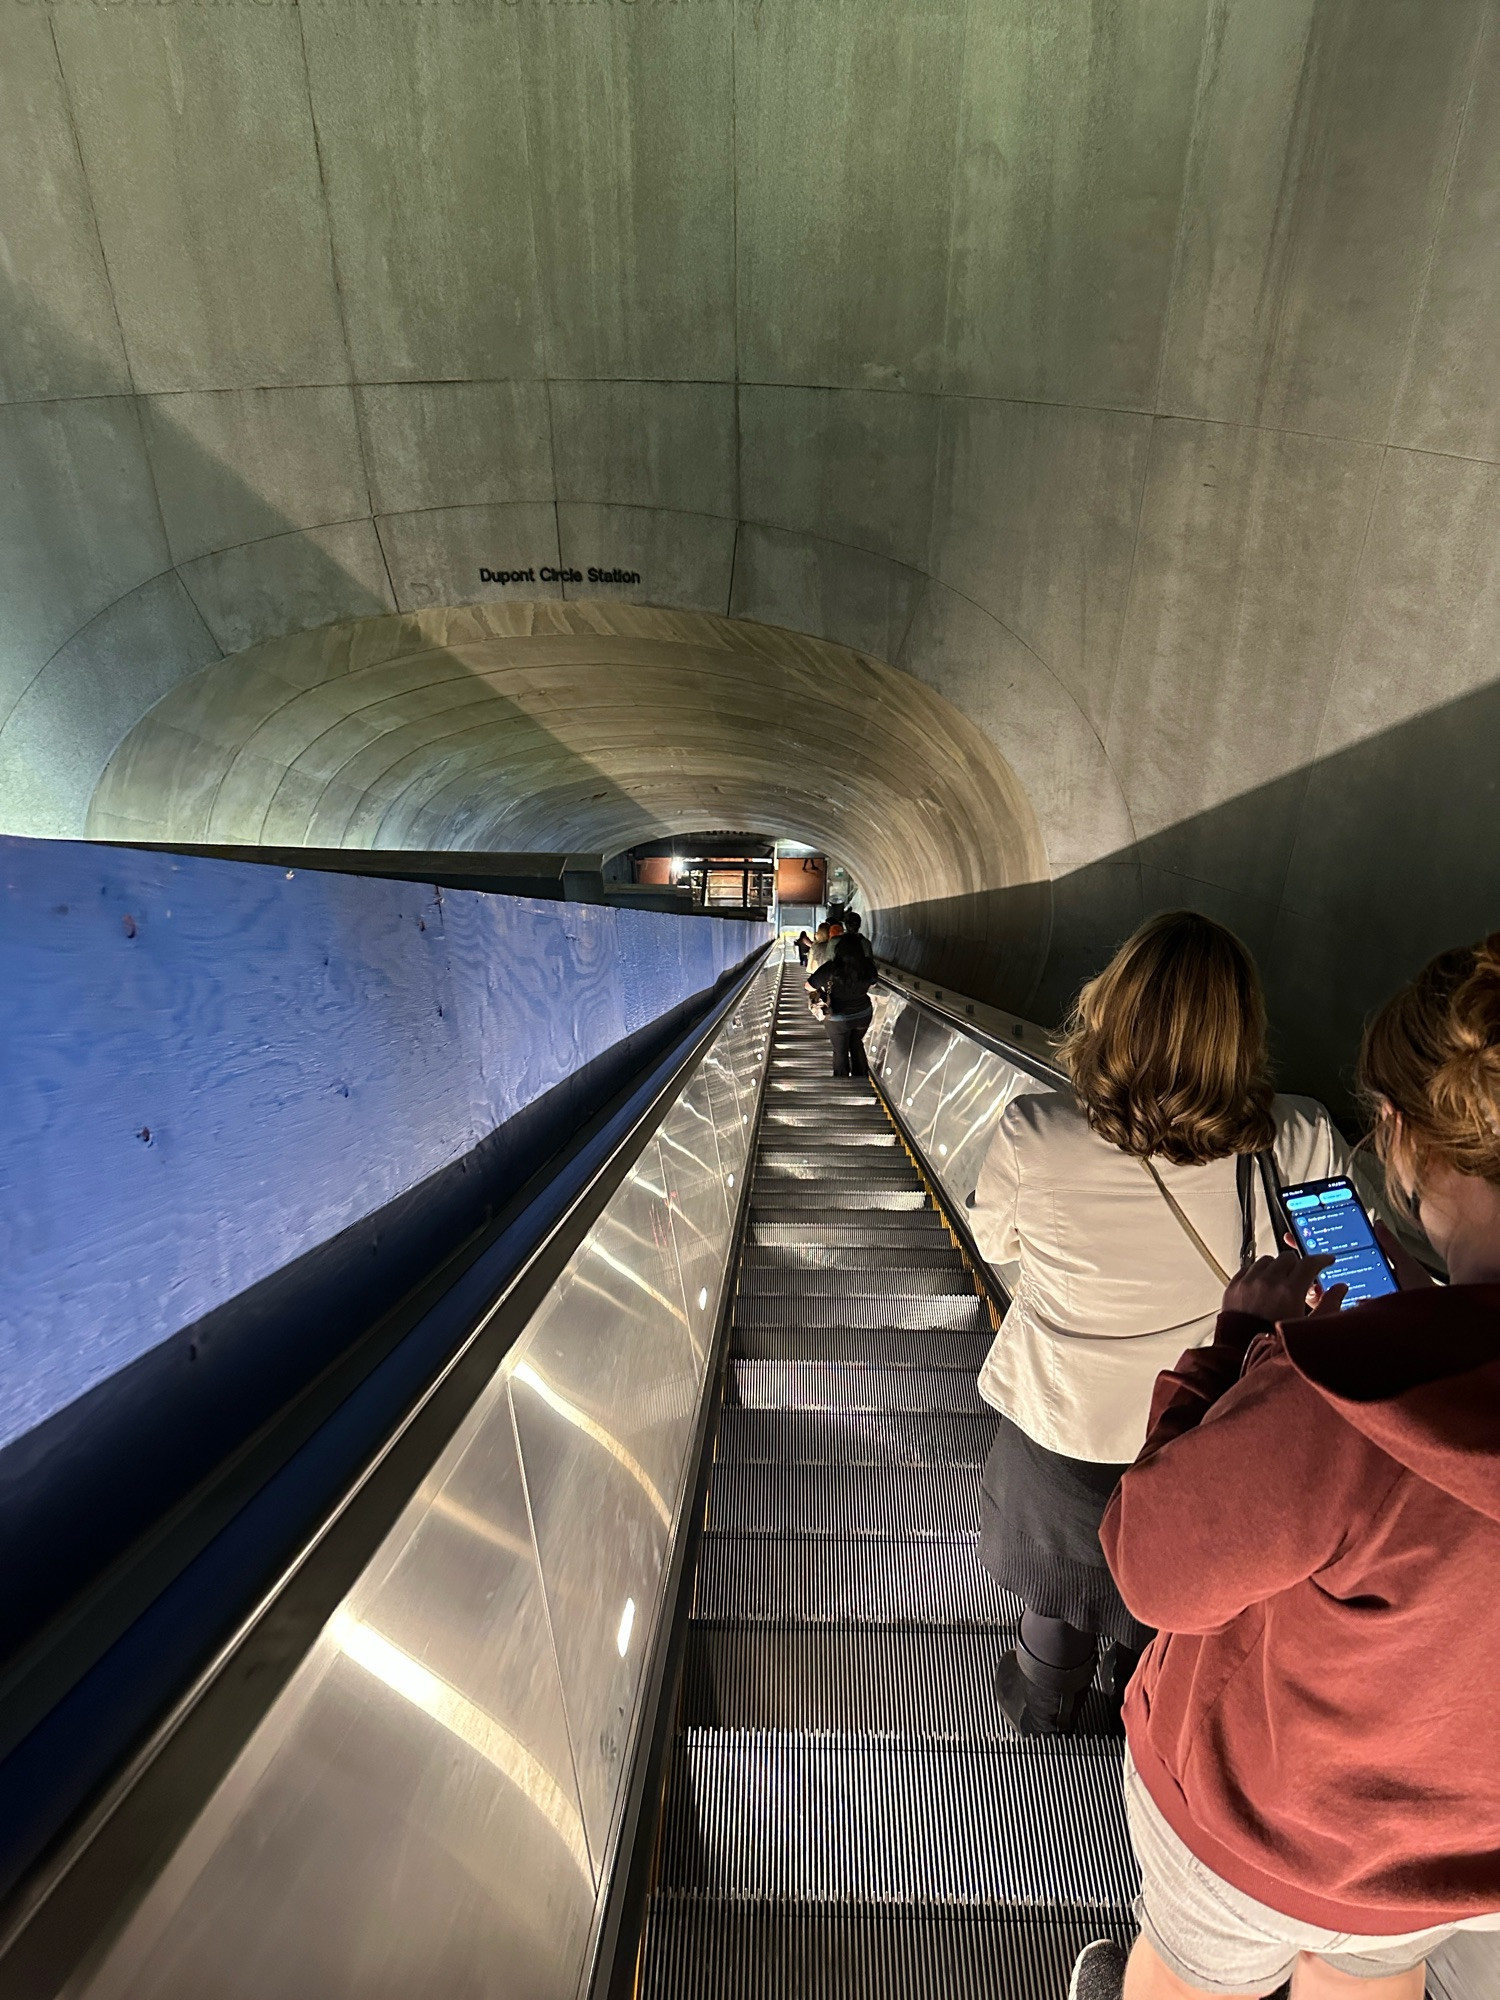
{"x":1128,"y":1202}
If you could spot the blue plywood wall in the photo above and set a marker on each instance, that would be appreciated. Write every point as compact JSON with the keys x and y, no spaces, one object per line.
{"x":211,"y":1068}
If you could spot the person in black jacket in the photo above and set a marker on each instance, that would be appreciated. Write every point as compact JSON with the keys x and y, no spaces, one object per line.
{"x":854,"y":927}
{"x":842,"y":984}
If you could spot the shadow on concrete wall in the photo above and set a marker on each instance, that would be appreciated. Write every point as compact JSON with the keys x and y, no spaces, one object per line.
{"x":115,"y":582}
{"x":1398,"y":804}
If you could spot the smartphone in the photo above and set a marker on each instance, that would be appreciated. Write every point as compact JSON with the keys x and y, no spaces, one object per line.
{"x":1328,"y":1216}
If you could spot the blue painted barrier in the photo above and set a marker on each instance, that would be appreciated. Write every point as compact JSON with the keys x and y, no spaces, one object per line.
{"x":245,"y":1109}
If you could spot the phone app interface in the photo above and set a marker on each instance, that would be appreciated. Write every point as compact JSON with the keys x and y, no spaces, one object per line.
{"x":1330,"y":1221}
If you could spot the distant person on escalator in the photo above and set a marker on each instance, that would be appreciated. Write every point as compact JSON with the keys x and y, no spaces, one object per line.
{"x":821,"y":949}
{"x":1128,"y":1203}
{"x":842,"y":984}
{"x":854,"y":927}
{"x":804,"y":946}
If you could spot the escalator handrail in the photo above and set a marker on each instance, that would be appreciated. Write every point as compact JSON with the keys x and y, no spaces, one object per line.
{"x":987,"y":1038}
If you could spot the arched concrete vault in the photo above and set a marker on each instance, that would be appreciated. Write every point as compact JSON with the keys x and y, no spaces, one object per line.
{"x":1126,"y":374}
{"x":569,"y":726}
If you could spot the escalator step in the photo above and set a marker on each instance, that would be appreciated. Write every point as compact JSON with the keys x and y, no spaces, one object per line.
{"x":786,"y":1202}
{"x":940,"y":1277}
{"x":792,"y":1263}
{"x":821,"y":1141}
{"x":951,"y":1311}
{"x":760,"y":1950}
{"x":853,"y":1437}
{"x":830,"y":1118}
{"x":920,"y":1226}
{"x":823,"y":1500}
{"x":885,"y":1347}
{"x":891,"y":1681}
{"x":1026,"y":1820}
{"x":820,"y":1385}
{"x":827,"y":1089}
{"x":836,"y":1168}
{"x":862,"y":1581}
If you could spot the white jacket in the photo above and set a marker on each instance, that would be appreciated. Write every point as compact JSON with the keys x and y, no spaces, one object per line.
{"x":1111,"y":1290}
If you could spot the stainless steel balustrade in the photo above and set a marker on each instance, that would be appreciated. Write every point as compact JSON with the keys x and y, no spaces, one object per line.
{"x":949,"y":1084}
{"x":434,"y":1802}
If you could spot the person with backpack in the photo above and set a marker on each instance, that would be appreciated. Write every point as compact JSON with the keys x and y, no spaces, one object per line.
{"x":1127,"y":1200}
{"x":1313,"y":1769}
{"x":842,"y":986}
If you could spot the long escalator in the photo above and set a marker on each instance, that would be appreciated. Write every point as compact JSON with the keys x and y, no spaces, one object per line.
{"x":846,"y":1810}
{"x":425,"y":1758}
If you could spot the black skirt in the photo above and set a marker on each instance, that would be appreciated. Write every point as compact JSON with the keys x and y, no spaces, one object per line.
{"x":1039,"y":1521}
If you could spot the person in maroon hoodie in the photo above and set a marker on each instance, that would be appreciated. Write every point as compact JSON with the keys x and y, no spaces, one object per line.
{"x":1313,"y":1762}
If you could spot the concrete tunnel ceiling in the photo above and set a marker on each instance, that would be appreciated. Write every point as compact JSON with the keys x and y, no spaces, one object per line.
{"x":1129,"y":376}
{"x":557,"y":726}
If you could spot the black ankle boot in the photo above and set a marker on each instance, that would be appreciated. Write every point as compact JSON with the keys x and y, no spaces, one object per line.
{"x":1039,"y":1700}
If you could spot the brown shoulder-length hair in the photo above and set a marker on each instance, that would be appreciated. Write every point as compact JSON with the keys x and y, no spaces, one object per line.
{"x":1429,"y":1069}
{"x":1167,"y":1047}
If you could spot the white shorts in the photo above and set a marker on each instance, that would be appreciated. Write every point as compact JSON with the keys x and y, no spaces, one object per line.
{"x":1222,"y":1941}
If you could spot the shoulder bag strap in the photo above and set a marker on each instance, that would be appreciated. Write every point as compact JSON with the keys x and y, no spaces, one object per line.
{"x":1244,"y":1180}
{"x":1271,"y":1181}
{"x":1187,"y":1228}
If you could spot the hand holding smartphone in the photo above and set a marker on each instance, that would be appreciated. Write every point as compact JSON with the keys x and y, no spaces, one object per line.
{"x":1328,"y":1219}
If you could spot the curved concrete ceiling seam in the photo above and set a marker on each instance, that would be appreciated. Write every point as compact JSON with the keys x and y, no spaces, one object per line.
{"x":1060,"y":848}
{"x":607,"y":723}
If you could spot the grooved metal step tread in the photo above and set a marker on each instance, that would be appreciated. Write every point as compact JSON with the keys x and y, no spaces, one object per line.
{"x":819,"y":1141}
{"x":841,"y":1500}
{"x":827,"y":1089}
{"x":819,"y":1385}
{"x":830,"y":1131}
{"x":836,"y":1167}
{"x":921,"y":1227}
{"x":794,"y":1263}
{"x":1024,"y":1821}
{"x":861,"y":1278}
{"x":757,"y":1949}
{"x":814,"y":1580}
{"x":951,"y":1312}
{"x":862,"y":1152}
{"x":917,"y":1682}
{"x":785,"y":1202}
{"x":830,"y":1118}
{"x":888,"y":1347}
{"x":854,"y":1437}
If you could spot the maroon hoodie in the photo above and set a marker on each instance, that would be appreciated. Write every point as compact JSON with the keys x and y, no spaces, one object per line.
{"x":1318,"y":1539}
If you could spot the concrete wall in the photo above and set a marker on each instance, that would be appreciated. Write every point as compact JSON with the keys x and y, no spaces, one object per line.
{"x":1129,"y":375}
{"x":211,"y":1069}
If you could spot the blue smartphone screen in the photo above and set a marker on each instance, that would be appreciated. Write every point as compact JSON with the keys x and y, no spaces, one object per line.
{"x":1329,"y":1217}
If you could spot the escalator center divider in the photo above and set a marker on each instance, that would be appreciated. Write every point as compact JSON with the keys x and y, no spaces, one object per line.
{"x":845,"y":1808}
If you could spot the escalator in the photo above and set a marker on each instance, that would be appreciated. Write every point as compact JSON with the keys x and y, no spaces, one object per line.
{"x":845,"y":1809}
{"x":647,"y":1649}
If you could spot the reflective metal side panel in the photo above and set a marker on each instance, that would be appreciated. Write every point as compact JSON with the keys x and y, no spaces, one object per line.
{"x":432,"y":1804}
{"x":949,"y":1088}
{"x":924,"y":1077}
{"x":889,"y":1041}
